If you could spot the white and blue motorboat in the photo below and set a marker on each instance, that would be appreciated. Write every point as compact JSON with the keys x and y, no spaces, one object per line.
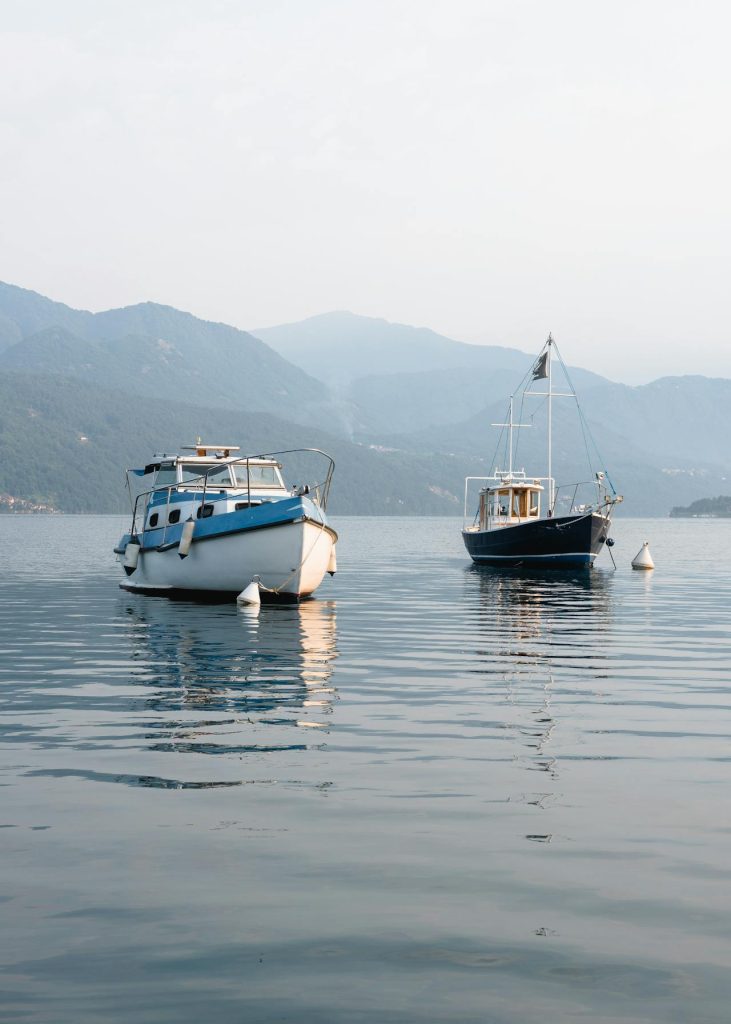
{"x":214,"y":521}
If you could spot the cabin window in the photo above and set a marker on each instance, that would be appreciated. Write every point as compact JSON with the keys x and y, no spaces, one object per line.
{"x":153,"y":520}
{"x":167,"y":476}
{"x":503,"y":503}
{"x":522,"y":503}
{"x":533,"y":503}
{"x":259,"y":476}
{"x":204,"y":511}
{"x":218,"y":474}
{"x":174,"y":516}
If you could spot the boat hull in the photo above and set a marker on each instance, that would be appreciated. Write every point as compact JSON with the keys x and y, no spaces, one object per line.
{"x":563,"y":542}
{"x":290,"y":559}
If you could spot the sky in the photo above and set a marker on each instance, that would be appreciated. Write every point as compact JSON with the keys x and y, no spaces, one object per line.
{"x":492,"y":170}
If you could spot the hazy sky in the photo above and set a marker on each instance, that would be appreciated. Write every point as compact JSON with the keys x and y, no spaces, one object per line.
{"x":489,"y":169}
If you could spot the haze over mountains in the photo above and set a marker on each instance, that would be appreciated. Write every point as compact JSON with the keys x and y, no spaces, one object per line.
{"x":406,"y":411}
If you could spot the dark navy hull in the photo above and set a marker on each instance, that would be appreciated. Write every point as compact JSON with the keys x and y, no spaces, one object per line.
{"x":564,"y":542}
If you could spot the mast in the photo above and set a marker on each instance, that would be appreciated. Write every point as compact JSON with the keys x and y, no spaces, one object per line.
{"x":511,"y":425}
{"x":549,"y":344}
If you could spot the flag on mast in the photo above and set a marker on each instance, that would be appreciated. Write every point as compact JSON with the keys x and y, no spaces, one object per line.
{"x":540,"y":369}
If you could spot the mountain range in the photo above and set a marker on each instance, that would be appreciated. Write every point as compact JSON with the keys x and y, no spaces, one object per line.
{"x":405,"y":411}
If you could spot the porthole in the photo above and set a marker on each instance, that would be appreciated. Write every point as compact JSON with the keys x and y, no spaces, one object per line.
{"x":153,"y":519}
{"x":174,"y":516}
{"x":204,"y":511}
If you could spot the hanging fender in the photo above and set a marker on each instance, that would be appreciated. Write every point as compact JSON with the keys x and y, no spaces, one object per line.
{"x":186,"y":538}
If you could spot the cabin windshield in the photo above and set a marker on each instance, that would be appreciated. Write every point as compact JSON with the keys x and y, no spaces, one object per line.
{"x":217,"y":474}
{"x":518,"y":503}
{"x":258,"y":476}
{"x":167,"y":475}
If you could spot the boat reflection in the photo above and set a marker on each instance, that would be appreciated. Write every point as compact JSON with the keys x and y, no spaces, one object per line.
{"x":534,"y":629}
{"x":241,"y":670}
{"x":546,"y":607}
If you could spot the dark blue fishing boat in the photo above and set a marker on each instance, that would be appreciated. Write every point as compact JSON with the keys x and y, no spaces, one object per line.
{"x":529,"y":521}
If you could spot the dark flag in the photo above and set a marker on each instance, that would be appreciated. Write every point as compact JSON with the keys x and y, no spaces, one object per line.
{"x":540,"y":370}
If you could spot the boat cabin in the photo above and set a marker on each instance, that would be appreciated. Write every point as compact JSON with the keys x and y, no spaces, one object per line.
{"x":197,"y":472}
{"x":211,"y":480}
{"x":510,"y":503}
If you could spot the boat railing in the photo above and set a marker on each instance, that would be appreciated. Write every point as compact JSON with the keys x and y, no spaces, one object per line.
{"x":169,"y":488}
{"x":568,"y":499}
{"x":321,"y":489}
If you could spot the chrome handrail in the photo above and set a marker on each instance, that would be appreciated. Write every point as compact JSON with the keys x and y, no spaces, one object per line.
{"x":321,"y":488}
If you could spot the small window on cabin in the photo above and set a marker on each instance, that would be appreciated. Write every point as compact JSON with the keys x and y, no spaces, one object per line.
{"x":533,"y":504}
{"x":167,"y":476}
{"x":174,"y":516}
{"x":204,"y":511}
{"x":153,"y":520}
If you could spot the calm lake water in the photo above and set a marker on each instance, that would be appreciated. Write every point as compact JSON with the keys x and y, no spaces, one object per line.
{"x":434,"y":794}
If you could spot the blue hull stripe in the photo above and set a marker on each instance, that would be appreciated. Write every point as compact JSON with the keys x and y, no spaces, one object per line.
{"x":269,"y":514}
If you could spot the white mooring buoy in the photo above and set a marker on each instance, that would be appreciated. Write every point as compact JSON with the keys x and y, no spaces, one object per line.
{"x":250,"y":594}
{"x":643,"y":558}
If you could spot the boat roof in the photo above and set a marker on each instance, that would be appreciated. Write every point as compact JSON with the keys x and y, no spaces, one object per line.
{"x":200,"y":452}
{"x":259,"y":460}
{"x":203,"y":449}
{"x":517,"y":485}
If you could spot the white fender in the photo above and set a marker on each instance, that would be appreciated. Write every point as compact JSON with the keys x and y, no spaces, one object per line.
{"x":332,"y":565}
{"x":131,"y":557}
{"x":643,"y":558}
{"x":186,"y":538}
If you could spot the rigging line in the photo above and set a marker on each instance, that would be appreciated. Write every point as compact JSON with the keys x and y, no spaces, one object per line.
{"x":498,"y":444}
{"x":585,"y":431}
{"x":520,"y":420}
{"x":522,"y":387}
{"x":582,"y":418}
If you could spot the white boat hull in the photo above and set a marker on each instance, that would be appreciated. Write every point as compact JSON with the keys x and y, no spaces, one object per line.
{"x":289,"y":558}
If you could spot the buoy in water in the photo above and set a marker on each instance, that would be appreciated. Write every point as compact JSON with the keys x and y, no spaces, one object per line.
{"x":643,"y":558}
{"x":186,"y":538}
{"x":250,"y":594}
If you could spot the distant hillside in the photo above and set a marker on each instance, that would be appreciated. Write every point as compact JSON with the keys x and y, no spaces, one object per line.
{"x":161,"y":352}
{"x":65,"y":443}
{"x":339,"y":347}
{"x":406,"y":403}
{"x":714,"y":508}
{"x":674,"y":420}
{"x":417,"y":406}
{"x":24,"y":312}
{"x":651,"y":482}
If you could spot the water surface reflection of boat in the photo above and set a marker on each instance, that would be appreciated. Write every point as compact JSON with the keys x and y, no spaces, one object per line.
{"x":226,"y":682}
{"x":541,"y":646}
